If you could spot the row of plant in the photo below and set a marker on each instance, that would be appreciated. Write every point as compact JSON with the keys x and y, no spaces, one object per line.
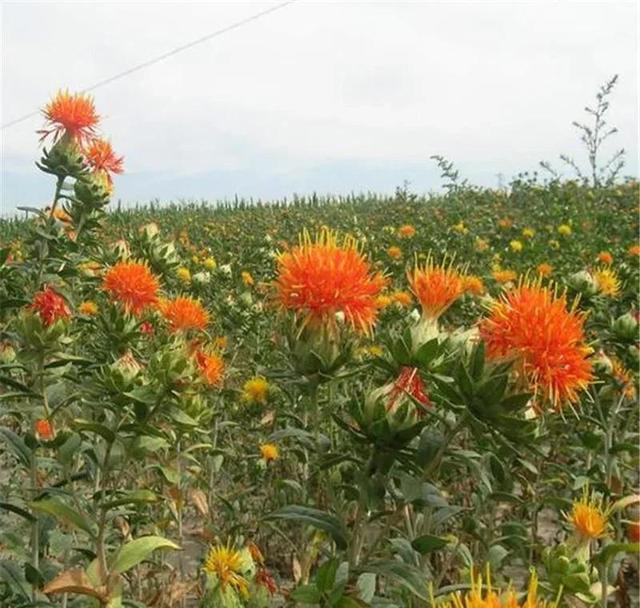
{"x":313,"y":403}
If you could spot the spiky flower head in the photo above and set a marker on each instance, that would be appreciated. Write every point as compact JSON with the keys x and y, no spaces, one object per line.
{"x":269,"y":452}
{"x":436,"y":286}
{"x":44,"y":429}
{"x":544,"y":269}
{"x":102,"y":159}
{"x":501,"y":275}
{"x":88,"y":308}
{"x":228,"y":565}
{"x":326,"y":276}
{"x":473,"y":284}
{"x":184,"y":313}
{"x":483,"y":594}
{"x":133,"y":285}
{"x":605,"y":257}
{"x":533,"y":325}
{"x":72,"y":114}
{"x":406,"y":231}
{"x":409,"y":382}
{"x":394,"y":252}
{"x":607,"y":282}
{"x":211,"y":366}
{"x":402,"y":298}
{"x":50,"y":306}
{"x":589,"y":517}
{"x":256,"y":390}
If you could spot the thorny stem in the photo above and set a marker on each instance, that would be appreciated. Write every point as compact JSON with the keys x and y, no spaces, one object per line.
{"x":35,"y":527}
{"x":56,"y":196}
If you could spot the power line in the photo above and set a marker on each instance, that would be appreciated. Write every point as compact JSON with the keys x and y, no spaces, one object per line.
{"x":159,"y":58}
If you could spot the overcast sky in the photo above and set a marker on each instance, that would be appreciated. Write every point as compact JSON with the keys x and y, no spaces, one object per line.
{"x":318,"y":96}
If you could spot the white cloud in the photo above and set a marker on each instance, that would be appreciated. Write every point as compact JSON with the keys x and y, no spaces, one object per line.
{"x":491,"y":85}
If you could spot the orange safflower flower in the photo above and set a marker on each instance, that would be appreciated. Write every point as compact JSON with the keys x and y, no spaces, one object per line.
{"x":605,"y":258}
{"x":485,"y":594}
{"x":211,"y":367}
{"x":132,"y":284}
{"x":269,"y":452}
{"x":589,"y":518}
{"x":436,"y":287}
{"x":504,"y":276}
{"x":88,"y":308}
{"x":102,"y":158}
{"x":383,"y":301}
{"x":50,"y":306}
{"x":544,"y":269}
{"x":71,"y":113}
{"x":402,"y":298}
{"x":319,"y":278}
{"x":624,"y":378}
{"x":473,"y":284}
{"x":533,"y":325}
{"x":184,"y":313}
{"x":409,"y":382}
{"x":634,"y":250}
{"x":394,"y":252}
{"x":406,"y":232}
{"x":44,"y":429}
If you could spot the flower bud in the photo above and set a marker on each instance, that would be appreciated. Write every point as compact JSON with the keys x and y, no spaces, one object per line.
{"x":121,"y":249}
{"x":64,"y":159}
{"x":126,"y":369}
{"x":7,"y":353}
{"x":583,"y":282}
{"x":149,"y":231}
{"x":626,"y":327}
{"x":202,"y":278}
{"x":403,"y":400}
{"x":93,"y":189}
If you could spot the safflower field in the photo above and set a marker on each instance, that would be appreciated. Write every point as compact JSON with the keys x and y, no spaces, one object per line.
{"x":388,"y":401}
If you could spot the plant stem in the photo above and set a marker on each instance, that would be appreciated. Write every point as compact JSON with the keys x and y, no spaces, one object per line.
{"x":35,"y":525}
{"x":56,"y":196}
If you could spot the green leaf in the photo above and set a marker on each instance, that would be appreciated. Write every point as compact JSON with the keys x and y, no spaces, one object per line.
{"x":17,"y":446}
{"x":307,"y":594}
{"x":326,"y":575}
{"x":147,"y":443}
{"x":132,"y":497}
{"x":366,"y":586}
{"x":137,"y":551}
{"x":410,"y":577}
{"x":63,"y":513}
{"x":7,"y":506}
{"x":93,"y":427}
{"x":316,"y":518}
{"x":610,"y":551}
{"x":427,"y":543}
{"x":23,"y":388}
{"x":515,"y":402}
